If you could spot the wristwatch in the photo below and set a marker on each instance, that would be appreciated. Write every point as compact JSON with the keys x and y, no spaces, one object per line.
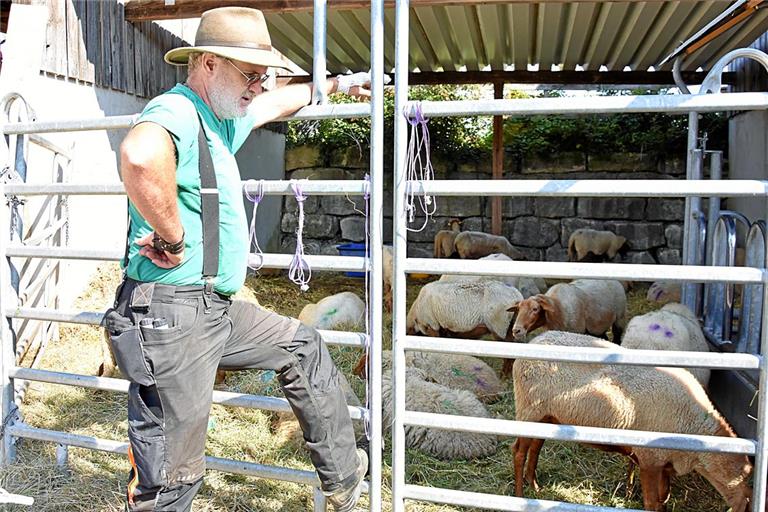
{"x":172,"y":248}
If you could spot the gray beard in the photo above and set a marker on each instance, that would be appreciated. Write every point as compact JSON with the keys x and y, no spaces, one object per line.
{"x":224,"y":107}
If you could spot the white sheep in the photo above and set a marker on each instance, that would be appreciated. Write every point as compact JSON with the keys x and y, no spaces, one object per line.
{"x":424,"y":396}
{"x":455,"y":371}
{"x":476,"y":244}
{"x":599,"y":243}
{"x":444,"y":240}
{"x":388,"y":265}
{"x":528,"y":286}
{"x":626,"y":397}
{"x":662,"y":291}
{"x":462,"y":309}
{"x":341,"y":309}
{"x":673,"y":327}
{"x":584,"y":306}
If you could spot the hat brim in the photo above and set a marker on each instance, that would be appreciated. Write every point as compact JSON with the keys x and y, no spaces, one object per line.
{"x":180,"y":56}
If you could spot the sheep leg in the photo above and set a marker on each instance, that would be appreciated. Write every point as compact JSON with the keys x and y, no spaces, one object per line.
{"x":650,"y":480}
{"x":506,"y":368}
{"x":533,"y":461}
{"x":520,"y":452}
{"x":617,"y":331}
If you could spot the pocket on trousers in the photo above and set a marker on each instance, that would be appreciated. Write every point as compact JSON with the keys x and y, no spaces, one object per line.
{"x":147,"y":438}
{"x":129,"y":354}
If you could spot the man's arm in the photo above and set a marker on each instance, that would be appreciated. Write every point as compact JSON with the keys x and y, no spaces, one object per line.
{"x":148,"y":169}
{"x":284,"y":101}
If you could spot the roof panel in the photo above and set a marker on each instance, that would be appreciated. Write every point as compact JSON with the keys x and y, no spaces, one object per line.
{"x":633,"y":33}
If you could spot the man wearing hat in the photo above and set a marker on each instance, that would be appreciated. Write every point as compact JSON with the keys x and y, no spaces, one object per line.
{"x":174,"y":323}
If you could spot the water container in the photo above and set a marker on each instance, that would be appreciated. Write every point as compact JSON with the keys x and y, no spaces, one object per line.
{"x":352,"y":249}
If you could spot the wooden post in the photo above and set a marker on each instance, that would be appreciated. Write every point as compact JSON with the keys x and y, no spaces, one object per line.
{"x":498,"y":159}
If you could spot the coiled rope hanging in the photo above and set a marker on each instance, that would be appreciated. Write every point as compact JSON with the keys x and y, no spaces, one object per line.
{"x":299,"y":271}
{"x":253,"y":241}
{"x":418,"y":168}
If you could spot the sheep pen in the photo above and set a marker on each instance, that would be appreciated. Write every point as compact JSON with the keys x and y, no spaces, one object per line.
{"x":95,"y":481}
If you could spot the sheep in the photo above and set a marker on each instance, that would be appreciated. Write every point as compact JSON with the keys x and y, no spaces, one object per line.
{"x":464,"y":310}
{"x":582,"y":306}
{"x":673,"y":327}
{"x":388,"y":265}
{"x":424,"y":396}
{"x":476,"y":244}
{"x":334,"y":311}
{"x":444,"y":239}
{"x":626,"y":397}
{"x":662,"y":291}
{"x":455,"y":371}
{"x":600,"y":243}
{"x":528,"y":286}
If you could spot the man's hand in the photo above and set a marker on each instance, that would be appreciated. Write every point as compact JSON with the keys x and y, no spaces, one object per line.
{"x":162,"y":259}
{"x":357,"y":84}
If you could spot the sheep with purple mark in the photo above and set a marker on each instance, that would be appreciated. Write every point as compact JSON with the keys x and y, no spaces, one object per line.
{"x":673,"y":327}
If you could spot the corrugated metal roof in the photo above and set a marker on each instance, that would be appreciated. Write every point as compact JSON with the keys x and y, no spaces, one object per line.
{"x":518,"y":36}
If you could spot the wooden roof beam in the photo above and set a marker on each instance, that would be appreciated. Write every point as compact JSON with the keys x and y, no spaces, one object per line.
{"x":148,"y":10}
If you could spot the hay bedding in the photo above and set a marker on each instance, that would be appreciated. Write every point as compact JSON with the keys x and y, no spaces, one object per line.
{"x":95,"y":481}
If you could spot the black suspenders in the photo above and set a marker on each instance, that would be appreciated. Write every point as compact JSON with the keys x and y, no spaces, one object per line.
{"x":209,"y":206}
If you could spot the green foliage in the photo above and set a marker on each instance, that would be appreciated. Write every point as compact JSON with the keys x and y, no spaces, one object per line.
{"x":468,"y":138}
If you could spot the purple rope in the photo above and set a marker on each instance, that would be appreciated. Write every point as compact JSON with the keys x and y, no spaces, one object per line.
{"x":252,"y":240}
{"x":299,"y":271}
{"x":418,"y":168}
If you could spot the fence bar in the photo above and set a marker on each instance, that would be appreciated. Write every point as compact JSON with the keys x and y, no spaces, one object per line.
{"x":219,"y":464}
{"x":759,"y":484}
{"x":399,"y":291}
{"x":270,"y":187}
{"x":50,"y":146}
{"x":669,"y":104}
{"x":244,"y":400}
{"x":319,"y":97}
{"x":595,"y":435}
{"x":591,"y":188}
{"x":497,"y":502}
{"x":351,"y":339}
{"x":7,"y":355}
{"x":272,"y":260}
{"x":375,"y":214}
{"x":346,"y":110}
{"x":563,"y":270}
{"x":584,"y":355}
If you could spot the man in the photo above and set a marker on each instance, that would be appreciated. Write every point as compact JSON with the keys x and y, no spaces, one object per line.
{"x":173,"y":323}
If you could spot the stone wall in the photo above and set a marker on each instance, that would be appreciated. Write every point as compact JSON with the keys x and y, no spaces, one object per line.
{"x":540,"y":227}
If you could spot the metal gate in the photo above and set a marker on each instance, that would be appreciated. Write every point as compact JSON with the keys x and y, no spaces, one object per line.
{"x":692,"y":189}
{"x":13,"y":426}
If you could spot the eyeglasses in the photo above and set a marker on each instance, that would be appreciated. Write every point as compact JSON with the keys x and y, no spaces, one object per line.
{"x":253,"y":77}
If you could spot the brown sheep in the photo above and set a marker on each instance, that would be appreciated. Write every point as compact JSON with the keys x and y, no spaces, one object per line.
{"x":601,"y":244}
{"x":443,"y":246}
{"x":630,"y":398}
{"x":584,"y":306}
{"x":476,"y":244}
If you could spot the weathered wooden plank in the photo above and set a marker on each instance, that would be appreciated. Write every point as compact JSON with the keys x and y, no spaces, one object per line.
{"x":116,"y":46}
{"x":139,"y":60}
{"x":84,"y":66}
{"x":74,"y":40}
{"x":91,"y":40}
{"x":104,"y":41}
{"x":129,"y":78}
{"x":55,"y":59}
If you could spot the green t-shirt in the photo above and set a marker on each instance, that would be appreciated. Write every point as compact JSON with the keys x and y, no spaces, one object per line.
{"x":177,"y":111}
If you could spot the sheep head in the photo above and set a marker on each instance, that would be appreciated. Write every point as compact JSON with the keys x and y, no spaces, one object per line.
{"x":454,"y":225}
{"x":531,"y":314}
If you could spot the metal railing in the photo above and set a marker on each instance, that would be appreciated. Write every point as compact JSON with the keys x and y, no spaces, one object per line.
{"x":691,"y":190}
{"x":9,"y":371}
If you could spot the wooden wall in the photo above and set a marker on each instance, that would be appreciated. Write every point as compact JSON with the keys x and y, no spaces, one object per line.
{"x":90,"y":41}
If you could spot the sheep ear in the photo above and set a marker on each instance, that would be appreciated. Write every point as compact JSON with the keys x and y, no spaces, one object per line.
{"x":545,"y":302}
{"x":514,"y":307}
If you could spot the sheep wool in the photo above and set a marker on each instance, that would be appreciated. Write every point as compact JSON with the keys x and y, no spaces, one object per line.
{"x":341,"y":309}
{"x":463,"y":308}
{"x":476,"y":244}
{"x":426,"y":396}
{"x":627,"y":397}
{"x":528,"y":286}
{"x":458,"y":372}
{"x":673,"y":327}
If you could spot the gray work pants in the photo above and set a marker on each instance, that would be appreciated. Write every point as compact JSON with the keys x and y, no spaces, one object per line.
{"x":172,"y":372}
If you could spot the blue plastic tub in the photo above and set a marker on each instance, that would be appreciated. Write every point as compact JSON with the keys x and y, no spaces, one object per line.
{"x":352,"y":249}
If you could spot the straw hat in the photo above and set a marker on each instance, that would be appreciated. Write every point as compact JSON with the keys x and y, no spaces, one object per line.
{"x":237,"y":33}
